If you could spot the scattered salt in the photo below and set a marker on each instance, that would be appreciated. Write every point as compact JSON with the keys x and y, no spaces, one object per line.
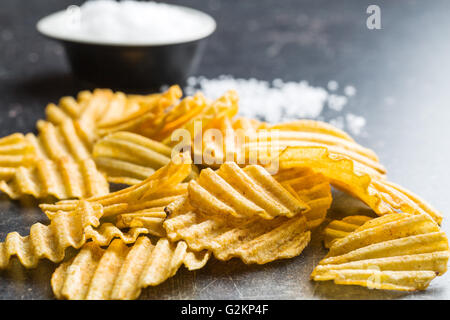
{"x":333,"y":85}
{"x":350,"y":91}
{"x":338,"y":122}
{"x":336,"y":102}
{"x":355,"y":123}
{"x":272,"y":102}
{"x":130,"y":22}
{"x":278,"y":101}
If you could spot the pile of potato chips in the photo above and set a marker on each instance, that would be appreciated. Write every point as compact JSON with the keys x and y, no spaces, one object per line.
{"x":208,"y":196}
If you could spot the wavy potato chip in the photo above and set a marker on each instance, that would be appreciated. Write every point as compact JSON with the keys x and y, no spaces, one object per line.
{"x":206,"y":115}
{"x":338,"y":229}
{"x":15,"y":151}
{"x":254,"y":240}
{"x":140,"y":205}
{"x":242,"y":193}
{"x":312,"y":188}
{"x":62,"y":166}
{"x":268,"y":140}
{"x":312,"y":126}
{"x":121,"y":272}
{"x":62,"y":179}
{"x":398,"y":252}
{"x":345,"y":174}
{"x":65,"y":230}
{"x":106,"y":112}
{"x":128,"y":157}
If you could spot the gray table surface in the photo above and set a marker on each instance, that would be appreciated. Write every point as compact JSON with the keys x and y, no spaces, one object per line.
{"x":401,"y":74}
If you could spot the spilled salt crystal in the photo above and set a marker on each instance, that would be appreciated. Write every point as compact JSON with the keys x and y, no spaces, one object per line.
{"x":355,"y":123}
{"x":278,"y":101}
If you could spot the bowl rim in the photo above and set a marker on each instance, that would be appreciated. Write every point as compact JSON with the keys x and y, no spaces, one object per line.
{"x":43,"y":28}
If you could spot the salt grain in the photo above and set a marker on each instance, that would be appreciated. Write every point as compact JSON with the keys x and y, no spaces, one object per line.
{"x":336,"y":102}
{"x":333,"y":85}
{"x":350,"y":91}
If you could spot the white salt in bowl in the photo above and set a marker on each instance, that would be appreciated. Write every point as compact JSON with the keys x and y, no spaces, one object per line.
{"x":128,"y":44}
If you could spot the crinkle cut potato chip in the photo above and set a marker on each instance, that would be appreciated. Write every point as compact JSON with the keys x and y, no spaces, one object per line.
{"x":129,"y":158}
{"x":207,"y":114}
{"x":121,"y":272}
{"x":254,"y":240}
{"x":61,"y":179}
{"x":252,"y":191}
{"x":382,"y":196}
{"x":312,"y":188}
{"x":395,"y":252}
{"x":338,"y":229}
{"x":270,"y":140}
{"x":15,"y":151}
{"x":141,"y":204}
{"x":110,"y":112}
{"x":62,"y":166}
{"x":65,"y":230}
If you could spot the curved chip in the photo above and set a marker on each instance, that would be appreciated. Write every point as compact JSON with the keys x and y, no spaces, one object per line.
{"x":65,"y":230}
{"x":62,"y":179}
{"x":366,"y":158}
{"x":128,"y":157}
{"x":15,"y":151}
{"x":106,"y":112}
{"x":232,"y":191}
{"x":312,"y":126}
{"x":398,"y":252}
{"x":254,"y":240}
{"x":338,"y":229}
{"x":206,"y":115}
{"x":121,"y":272}
{"x":345,"y":174}
{"x":62,"y":166}
{"x":312,"y":188}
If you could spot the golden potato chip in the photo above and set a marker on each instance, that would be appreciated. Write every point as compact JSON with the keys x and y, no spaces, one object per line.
{"x":337,"y":229}
{"x":242,"y":193}
{"x":121,"y":272}
{"x":62,"y":166}
{"x":268,"y":140}
{"x":206,"y":116}
{"x":165,"y":182}
{"x":313,"y":126}
{"x":62,"y":179}
{"x":15,"y":151}
{"x":312,"y":188}
{"x":89,"y":104}
{"x":382,"y":196}
{"x":254,"y":240}
{"x":402,"y":252}
{"x":248,"y":124}
{"x":109,"y":112}
{"x":128,"y":157}
{"x":150,"y":112}
{"x":65,"y":230}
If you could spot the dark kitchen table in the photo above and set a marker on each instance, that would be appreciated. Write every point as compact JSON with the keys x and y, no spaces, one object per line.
{"x":401,"y":74}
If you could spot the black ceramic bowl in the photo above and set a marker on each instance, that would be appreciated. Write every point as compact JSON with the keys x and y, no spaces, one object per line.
{"x":135,"y":65}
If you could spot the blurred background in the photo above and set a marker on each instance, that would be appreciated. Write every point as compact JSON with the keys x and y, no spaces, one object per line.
{"x":401,"y":72}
